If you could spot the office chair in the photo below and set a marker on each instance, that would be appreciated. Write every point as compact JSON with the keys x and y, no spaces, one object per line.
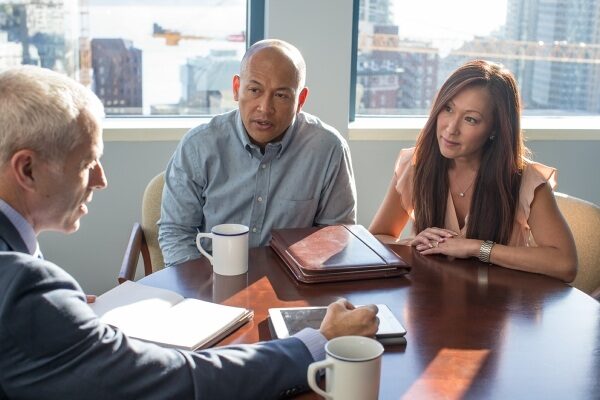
{"x":144,"y":236}
{"x":583,"y":218}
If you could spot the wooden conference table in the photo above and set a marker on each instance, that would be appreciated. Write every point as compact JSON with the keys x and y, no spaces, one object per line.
{"x":474,"y":331}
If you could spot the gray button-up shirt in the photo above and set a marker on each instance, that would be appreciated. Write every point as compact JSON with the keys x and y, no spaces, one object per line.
{"x":218,"y":176}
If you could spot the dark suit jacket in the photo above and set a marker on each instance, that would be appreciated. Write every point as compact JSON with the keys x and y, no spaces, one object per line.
{"x":52,"y":346}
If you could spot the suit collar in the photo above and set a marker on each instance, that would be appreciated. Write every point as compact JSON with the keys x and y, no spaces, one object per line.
{"x":10,"y":236}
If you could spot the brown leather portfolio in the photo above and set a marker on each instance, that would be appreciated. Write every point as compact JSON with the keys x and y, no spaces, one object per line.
{"x":335,"y":253}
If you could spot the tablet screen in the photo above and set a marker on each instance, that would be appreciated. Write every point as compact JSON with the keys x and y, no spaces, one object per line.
{"x":297,"y":319}
{"x":289,"y":321}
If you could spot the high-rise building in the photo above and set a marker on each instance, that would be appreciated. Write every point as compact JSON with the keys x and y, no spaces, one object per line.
{"x":44,"y":30}
{"x":394,"y":75}
{"x":206,"y":82}
{"x":117,"y":75}
{"x":376,"y":12}
{"x":11,"y":53}
{"x":553,"y":84}
{"x":47,"y":16}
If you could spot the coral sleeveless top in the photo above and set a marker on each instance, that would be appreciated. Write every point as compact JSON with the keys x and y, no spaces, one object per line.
{"x":534,"y":175}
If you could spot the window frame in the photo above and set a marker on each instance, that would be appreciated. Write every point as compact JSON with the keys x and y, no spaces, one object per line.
{"x":407,"y":127}
{"x":372,"y":128}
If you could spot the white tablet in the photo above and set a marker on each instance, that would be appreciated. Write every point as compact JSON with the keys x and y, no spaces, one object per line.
{"x":286,"y":322}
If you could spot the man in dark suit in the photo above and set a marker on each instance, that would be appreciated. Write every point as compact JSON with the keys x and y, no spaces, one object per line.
{"x":52,"y":346}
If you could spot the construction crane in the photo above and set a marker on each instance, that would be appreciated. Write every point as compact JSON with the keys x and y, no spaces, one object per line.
{"x":172,"y":38}
{"x":85,"y":49}
{"x":237,"y":37}
{"x":583,"y":53}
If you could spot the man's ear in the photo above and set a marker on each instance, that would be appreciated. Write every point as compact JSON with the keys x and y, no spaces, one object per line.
{"x":302,"y":99}
{"x":22,"y":164}
{"x":236,"y":87}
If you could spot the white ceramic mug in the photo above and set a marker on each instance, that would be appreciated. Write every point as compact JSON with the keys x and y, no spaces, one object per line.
{"x":353,"y":369}
{"x":230,"y":248}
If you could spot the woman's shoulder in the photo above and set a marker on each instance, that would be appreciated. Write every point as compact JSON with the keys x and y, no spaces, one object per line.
{"x":408,"y":152}
{"x":404,"y":174}
{"x":535,"y":174}
{"x":405,"y":160}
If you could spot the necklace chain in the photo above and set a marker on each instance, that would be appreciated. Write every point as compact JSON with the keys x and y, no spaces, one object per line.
{"x":463,"y":192}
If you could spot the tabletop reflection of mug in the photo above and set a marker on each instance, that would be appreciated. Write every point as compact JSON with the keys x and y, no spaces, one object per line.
{"x":231,"y":288}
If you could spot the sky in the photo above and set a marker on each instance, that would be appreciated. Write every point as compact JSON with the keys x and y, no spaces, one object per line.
{"x":437,"y":20}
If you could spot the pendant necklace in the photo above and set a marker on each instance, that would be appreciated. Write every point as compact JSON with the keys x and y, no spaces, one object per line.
{"x":462,"y":194}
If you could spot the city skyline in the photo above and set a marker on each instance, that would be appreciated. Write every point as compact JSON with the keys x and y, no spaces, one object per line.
{"x":162,"y":63}
{"x":399,"y":67}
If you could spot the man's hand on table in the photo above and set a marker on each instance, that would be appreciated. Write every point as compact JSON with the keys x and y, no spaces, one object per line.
{"x":342,"y":319}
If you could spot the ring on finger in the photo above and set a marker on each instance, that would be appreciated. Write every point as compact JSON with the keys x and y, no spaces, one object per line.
{"x":434,"y":243}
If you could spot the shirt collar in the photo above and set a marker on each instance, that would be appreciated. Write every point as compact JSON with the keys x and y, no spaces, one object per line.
{"x":254,"y":149}
{"x":22,"y":226}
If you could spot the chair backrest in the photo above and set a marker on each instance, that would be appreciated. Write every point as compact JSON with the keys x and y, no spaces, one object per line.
{"x":150,"y":215}
{"x":583,"y":218}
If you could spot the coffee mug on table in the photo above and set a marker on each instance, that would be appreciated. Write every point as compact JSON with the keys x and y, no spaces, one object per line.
{"x":229,"y":248}
{"x":353,"y":369}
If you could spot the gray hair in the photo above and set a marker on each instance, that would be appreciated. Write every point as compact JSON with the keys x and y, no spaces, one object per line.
{"x":291,"y":51}
{"x":44,"y":111}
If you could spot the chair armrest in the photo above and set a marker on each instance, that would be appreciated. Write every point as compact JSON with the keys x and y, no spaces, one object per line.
{"x":596,"y":293}
{"x":132,"y":254}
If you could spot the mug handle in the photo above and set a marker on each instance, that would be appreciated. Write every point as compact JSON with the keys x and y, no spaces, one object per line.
{"x":200,"y":248}
{"x":312,"y":372}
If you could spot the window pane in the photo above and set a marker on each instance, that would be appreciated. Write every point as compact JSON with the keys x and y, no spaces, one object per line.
{"x":158,"y":57}
{"x":407,"y":49}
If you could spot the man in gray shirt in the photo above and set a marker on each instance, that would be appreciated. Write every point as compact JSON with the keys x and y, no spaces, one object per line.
{"x":265,"y":165}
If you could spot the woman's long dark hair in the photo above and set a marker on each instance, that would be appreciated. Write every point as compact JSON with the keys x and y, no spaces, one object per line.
{"x":496,"y":188}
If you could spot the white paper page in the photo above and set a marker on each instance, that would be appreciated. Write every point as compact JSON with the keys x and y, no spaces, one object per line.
{"x":131,"y":306}
{"x":192,"y":322}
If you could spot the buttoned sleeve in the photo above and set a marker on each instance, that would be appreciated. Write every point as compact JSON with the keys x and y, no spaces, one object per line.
{"x":314,"y":341}
{"x":182,"y":208}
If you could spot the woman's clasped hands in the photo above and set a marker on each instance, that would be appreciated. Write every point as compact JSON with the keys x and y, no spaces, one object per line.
{"x":444,"y":241}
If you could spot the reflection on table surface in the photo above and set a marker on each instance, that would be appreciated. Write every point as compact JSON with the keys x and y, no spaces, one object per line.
{"x":474,"y":330}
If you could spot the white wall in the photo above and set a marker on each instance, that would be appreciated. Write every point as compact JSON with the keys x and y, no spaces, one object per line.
{"x":93,"y":255}
{"x":324,"y":38}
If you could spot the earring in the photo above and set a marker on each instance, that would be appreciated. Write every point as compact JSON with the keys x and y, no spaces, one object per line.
{"x":492,"y":137}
